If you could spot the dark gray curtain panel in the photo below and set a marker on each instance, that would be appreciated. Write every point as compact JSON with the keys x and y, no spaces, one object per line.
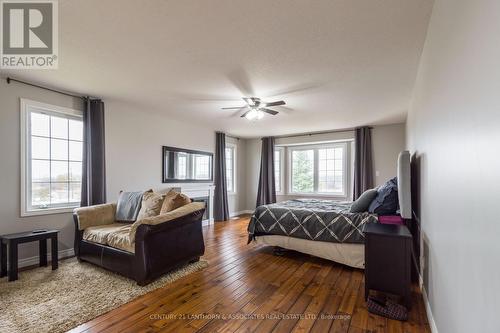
{"x":267,"y":187}
{"x":221,"y":207}
{"x":94,"y":156}
{"x":363,"y":163}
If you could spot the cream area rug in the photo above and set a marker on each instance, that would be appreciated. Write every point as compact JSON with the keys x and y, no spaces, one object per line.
{"x":43,"y":300}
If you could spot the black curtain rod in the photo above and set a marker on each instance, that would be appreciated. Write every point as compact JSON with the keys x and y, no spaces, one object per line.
{"x":317,"y":133}
{"x":9,"y":80}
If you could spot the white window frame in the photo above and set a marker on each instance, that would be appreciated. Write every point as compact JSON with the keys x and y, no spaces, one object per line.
{"x":25,"y":104}
{"x":346,"y":167}
{"x":281,"y":151}
{"x":234,"y":147}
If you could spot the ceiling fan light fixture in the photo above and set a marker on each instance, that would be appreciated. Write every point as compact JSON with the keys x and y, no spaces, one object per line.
{"x":254,"y":114}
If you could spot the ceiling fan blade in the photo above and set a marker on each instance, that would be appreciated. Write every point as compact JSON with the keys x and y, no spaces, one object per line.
{"x":278,"y":103}
{"x":244,"y":114}
{"x":234,"y":108}
{"x":272,"y":112}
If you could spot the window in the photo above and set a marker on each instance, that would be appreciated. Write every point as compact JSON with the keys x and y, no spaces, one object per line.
{"x":230,"y":168}
{"x":52,"y":145}
{"x":278,"y":169}
{"x":319,"y":169}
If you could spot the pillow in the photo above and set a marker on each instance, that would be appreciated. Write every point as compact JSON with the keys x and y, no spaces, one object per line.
{"x":174,"y":200}
{"x":364,"y":201}
{"x":151,"y":204}
{"x":128,"y":206}
{"x":386,"y":202}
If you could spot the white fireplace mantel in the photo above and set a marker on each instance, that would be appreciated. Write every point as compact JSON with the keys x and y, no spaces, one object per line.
{"x":194,"y":190}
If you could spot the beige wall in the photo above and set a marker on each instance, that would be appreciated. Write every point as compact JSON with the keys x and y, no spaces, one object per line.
{"x":134,"y":140}
{"x":453,"y":131}
{"x":388,"y":141}
{"x":10,"y":163}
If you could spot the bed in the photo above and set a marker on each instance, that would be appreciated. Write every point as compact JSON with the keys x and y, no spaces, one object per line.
{"x":323,"y":228}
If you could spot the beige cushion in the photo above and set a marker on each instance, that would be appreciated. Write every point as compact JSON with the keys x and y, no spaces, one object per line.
{"x":151,"y":204}
{"x":95,"y":215}
{"x":172,"y":215}
{"x":174,"y":200}
{"x":100,"y":234}
{"x":120,"y":239}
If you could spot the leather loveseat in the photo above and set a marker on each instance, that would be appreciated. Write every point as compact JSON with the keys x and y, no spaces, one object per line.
{"x":143,"y":250}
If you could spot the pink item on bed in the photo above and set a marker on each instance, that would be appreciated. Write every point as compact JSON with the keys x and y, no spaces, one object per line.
{"x":391,"y":219}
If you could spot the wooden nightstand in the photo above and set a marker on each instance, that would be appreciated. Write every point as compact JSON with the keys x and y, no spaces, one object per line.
{"x":388,"y":260}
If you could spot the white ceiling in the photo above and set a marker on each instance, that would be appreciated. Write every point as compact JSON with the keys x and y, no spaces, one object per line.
{"x":336,"y":63}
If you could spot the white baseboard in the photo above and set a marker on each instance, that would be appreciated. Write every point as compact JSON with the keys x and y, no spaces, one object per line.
{"x":35,"y":260}
{"x":241,"y":213}
{"x":428,"y":310}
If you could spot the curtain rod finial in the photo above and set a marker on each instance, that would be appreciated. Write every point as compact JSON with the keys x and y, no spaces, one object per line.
{"x":8,"y":80}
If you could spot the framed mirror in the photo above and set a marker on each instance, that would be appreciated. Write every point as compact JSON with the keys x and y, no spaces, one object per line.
{"x":187,"y":166}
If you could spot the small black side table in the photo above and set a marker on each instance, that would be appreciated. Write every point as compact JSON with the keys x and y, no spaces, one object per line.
{"x":388,"y":259}
{"x":12,"y":240}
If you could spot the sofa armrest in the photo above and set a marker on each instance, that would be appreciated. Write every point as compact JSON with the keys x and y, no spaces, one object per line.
{"x":95,"y":215}
{"x":170,"y":217}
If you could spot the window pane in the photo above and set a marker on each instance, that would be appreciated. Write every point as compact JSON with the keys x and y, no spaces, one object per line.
{"x":75,"y":192}
{"x":202,"y":167}
{"x":229,"y":152}
{"x":330,"y":169}
{"x":40,"y":171}
{"x":75,"y":151}
{"x":75,"y":171}
{"x":40,"y":148}
{"x":303,"y":171}
{"x":59,"y":193}
{"x":181,"y":166}
{"x":76,"y":130}
{"x":54,"y":141}
{"x":58,"y":149}
{"x":40,"y":124}
{"x":277,"y":170}
{"x":58,"y":171}
{"x":40,"y":194}
{"x":58,"y":127}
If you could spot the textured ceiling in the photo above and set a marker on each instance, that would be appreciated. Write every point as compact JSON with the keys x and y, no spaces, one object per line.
{"x":337,"y":64}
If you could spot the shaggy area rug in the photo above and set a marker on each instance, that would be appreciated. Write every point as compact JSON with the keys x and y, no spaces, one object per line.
{"x":43,"y":300}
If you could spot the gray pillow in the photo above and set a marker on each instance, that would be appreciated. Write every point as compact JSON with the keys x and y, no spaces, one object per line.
{"x":128,"y":206}
{"x":364,"y":201}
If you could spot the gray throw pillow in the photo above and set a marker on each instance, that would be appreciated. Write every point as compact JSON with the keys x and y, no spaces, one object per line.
{"x":128,"y":206}
{"x":364,"y":201}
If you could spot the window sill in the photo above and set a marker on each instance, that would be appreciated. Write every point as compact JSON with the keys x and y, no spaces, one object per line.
{"x":48,"y":211}
{"x":325,"y":195}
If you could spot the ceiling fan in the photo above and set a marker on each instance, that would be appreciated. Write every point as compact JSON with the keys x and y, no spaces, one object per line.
{"x":256,"y":108}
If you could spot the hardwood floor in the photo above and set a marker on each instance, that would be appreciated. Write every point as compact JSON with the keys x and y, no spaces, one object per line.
{"x":247,"y":288}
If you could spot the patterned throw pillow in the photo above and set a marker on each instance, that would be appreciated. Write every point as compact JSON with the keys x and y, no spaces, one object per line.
{"x":151,"y":204}
{"x":174,"y":200}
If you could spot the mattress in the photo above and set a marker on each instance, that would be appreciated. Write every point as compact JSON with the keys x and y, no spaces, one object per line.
{"x":348,"y":254}
{"x":311,"y":219}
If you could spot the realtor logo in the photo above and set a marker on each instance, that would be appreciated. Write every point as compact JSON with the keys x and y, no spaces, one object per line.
{"x":29,"y":34}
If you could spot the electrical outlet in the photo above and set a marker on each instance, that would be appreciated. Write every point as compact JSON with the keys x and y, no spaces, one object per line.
{"x":377,"y":173}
